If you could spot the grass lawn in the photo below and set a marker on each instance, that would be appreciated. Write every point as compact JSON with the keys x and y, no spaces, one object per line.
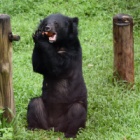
{"x":113,"y":110}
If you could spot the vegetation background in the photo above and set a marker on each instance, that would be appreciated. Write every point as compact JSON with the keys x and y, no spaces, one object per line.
{"x":113,"y":110}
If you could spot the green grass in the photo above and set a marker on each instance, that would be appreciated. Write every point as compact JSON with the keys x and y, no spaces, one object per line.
{"x":113,"y":110}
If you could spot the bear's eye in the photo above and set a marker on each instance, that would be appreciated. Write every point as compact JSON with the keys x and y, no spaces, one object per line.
{"x":56,"y":24}
{"x":66,"y":23}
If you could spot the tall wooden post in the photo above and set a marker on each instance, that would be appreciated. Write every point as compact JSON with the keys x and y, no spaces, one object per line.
{"x":123,"y":48}
{"x":6,"y":89}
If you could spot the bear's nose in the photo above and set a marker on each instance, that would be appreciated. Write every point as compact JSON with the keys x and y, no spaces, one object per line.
{"x":47,"y":28}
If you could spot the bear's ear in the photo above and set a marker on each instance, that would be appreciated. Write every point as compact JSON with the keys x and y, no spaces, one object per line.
{"x":40,"y":26}
{"x":75,"y":20}
{"x":41,"y":23}
{"x":73,"y":26}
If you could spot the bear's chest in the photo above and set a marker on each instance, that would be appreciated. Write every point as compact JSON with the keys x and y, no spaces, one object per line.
{"x":57,"y":91}
{"x":61,"y":50}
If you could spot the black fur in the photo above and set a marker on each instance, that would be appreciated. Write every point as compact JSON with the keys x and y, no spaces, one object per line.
{"x":63,"y":103}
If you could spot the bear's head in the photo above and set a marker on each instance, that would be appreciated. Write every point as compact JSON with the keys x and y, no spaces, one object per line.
{"x":58,"y":27}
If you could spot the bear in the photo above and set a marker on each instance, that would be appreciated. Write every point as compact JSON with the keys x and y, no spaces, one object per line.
{"x":57,"y":56}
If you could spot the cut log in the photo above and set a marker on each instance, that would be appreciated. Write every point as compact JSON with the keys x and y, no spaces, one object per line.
{"x":123,"y":48}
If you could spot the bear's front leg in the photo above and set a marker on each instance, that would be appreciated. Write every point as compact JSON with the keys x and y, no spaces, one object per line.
{"x":76,"y":119}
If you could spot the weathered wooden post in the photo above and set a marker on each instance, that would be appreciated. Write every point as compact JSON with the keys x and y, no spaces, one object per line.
{"x":123,"y":48}
{"x":6,"y":89}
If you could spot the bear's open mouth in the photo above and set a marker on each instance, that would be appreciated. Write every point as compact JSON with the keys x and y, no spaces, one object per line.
{"x":51,"y":35}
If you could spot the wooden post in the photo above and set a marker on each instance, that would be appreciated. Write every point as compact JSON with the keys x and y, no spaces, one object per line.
{"x":6,"y":90}
{"x":123,"y":48}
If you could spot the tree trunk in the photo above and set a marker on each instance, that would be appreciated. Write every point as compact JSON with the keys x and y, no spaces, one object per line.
{"x":6,"y":90}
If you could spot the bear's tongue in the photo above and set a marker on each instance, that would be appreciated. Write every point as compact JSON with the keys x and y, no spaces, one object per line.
{"x":52,"y":38}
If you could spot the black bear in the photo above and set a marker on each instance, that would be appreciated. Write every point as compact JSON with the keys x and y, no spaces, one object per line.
{"x":57,"y":55}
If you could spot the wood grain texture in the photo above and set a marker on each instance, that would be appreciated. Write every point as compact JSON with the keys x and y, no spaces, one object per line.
{"x":123,"y":48}
{"x":6,"y":89}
